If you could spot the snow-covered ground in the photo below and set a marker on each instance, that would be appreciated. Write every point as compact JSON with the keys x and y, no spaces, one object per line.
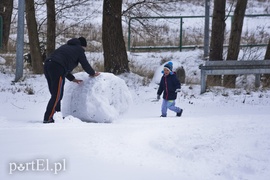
{"x":222,"y":134}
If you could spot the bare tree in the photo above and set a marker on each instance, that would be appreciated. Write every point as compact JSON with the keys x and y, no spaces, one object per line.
{"x":51,"y":26}
{"x":235,"y":37}
{"x":144,"y":8}
{"x":33,"y":37}
{"x":6,"y":8}
{"x":217,"y":38}
{"x":56,"y":10}
{"x":62,"y":6}
{"x":115,"y":55}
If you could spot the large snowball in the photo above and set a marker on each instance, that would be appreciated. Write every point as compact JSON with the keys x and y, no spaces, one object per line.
{"x":99,"y":99}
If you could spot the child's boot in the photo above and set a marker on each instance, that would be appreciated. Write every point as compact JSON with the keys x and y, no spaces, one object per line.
{"x":179,"y":114}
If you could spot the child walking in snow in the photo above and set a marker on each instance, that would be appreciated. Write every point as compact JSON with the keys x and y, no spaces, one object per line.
{"x":169,"y":85}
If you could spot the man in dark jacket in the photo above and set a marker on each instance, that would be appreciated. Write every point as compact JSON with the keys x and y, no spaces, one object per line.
{"x":58,"y":66}
{"x":169,"y":86}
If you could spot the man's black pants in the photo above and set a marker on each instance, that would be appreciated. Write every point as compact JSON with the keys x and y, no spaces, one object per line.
{"x":55,"y":75}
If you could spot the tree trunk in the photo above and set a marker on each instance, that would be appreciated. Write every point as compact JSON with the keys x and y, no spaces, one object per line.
{"x":115,"y":55}
{"x":267,"y":53}
{"x":235,"y":37}
{"x":6,"y":7}
{"x":33,"y":37}
{"x":266,"y":78}
{"x":51,"y":24}
{"x":217,"y":38}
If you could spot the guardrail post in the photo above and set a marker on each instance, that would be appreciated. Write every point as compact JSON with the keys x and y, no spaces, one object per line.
{"x":257,"y":80}
{"x":203,"y":81}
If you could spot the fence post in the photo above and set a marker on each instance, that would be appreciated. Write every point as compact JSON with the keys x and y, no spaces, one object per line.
{"x":181,"y":33}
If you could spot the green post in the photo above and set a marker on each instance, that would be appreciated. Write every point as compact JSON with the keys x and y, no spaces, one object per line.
{"x":181,"y":33}
{"x":1,"y":32}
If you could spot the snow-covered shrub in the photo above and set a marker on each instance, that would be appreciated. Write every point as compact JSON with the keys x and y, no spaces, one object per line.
{"x":2,"y":60}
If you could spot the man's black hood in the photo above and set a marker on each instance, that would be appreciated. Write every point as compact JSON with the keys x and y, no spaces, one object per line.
{"x":74,"y":41}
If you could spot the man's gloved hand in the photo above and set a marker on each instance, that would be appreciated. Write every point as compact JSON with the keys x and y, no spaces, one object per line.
{"x":96,"y":74}
{"x":158,"y":97}
{"x":77,"y":81}
{"x":177,"y":90}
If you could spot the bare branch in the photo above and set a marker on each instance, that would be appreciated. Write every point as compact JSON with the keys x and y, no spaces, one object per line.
{"x":132,"y":6}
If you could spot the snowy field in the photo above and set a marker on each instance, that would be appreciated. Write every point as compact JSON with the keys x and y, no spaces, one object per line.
{"x":222,"y":135}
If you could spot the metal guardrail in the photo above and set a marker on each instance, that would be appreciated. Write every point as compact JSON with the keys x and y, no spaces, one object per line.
{"x":181,"y":47}
{"x":234,"y":67}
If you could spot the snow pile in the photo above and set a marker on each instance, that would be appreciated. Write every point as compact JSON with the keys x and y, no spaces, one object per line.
{"x":100,"y":99}
{"x":2,"y":60}
{"x":58,"y":117}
